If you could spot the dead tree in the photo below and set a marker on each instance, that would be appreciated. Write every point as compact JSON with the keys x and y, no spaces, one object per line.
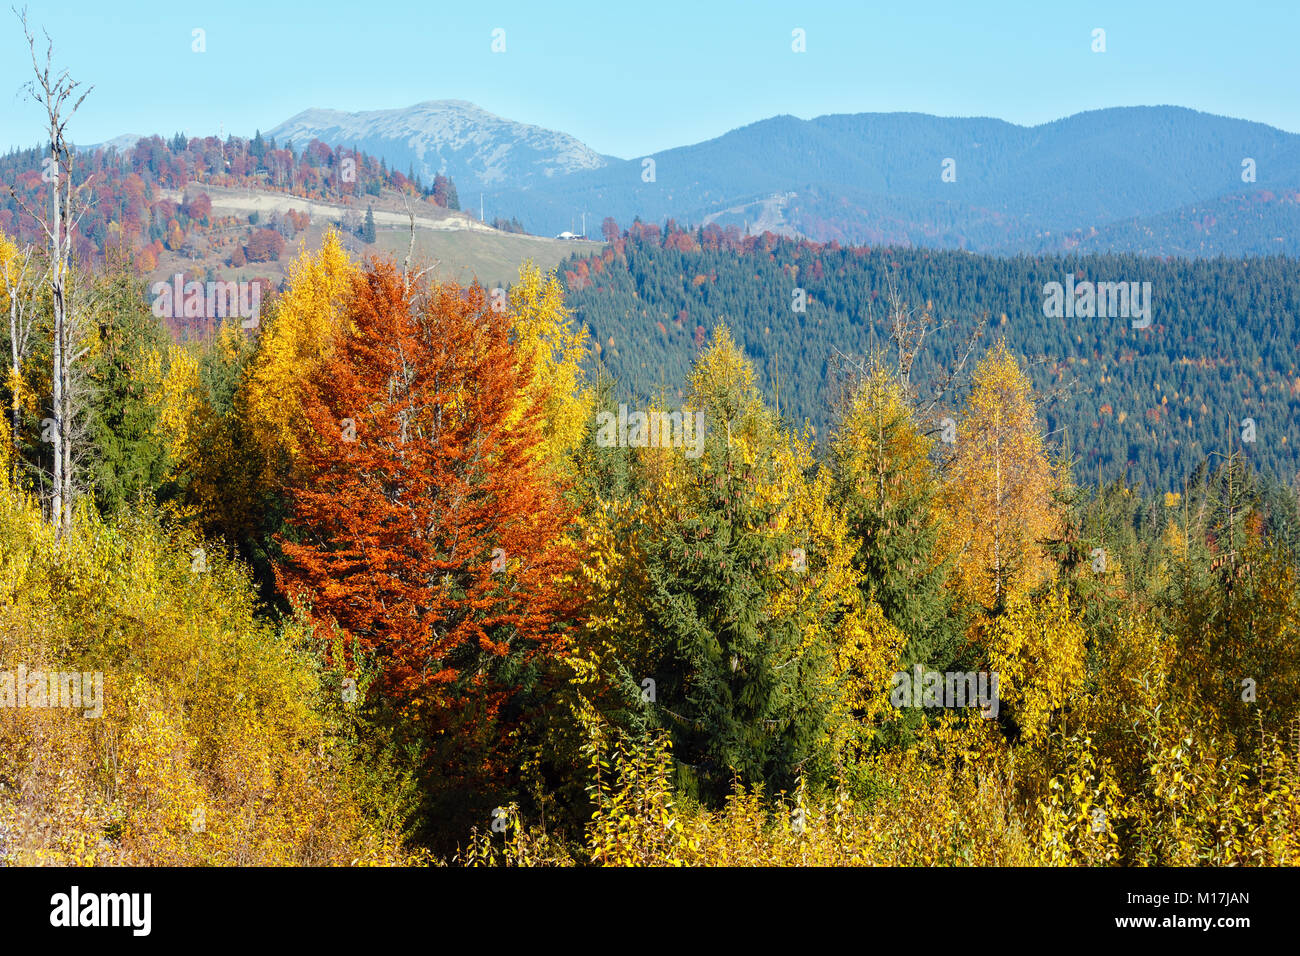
{"x":407,"y":278}
{"x":56,"y":93}
{"x":908,"y":329}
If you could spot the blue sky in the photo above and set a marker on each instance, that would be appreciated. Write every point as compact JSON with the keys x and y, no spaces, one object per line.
{"x":631,"y":78}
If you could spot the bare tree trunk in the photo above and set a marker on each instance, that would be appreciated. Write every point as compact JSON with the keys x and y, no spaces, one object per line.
{"x":57,"y":291}
{"x":52,"y":92}
{"x":997,"y":513}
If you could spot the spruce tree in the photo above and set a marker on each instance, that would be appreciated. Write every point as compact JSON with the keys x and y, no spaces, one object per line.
{"x":127,"y":460}
{"x":730,"y":683}
{"x":886,"y":485}
{"x":739,"y":687}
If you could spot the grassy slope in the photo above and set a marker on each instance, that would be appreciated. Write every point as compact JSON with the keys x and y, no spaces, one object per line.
{"x":463,"y":254}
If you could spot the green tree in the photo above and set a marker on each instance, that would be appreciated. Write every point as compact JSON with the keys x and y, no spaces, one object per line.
{"x":743,"y":677}
{"x":885,"y":483}
{"x":127,"y":460}
{"x":733,"y":684}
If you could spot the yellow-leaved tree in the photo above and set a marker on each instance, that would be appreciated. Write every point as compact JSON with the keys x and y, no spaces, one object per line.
{"x":178,"y":395}
{"x":198,"y":428}
{"x":545,"y":336}
{"x":239,"y":449}
{"x":1036,"y":648}
{"x":298,"y":335}
{"x":722,"y":383}
{"x":825,"y":601}
{"x":998,"y":492}
{"x":18,"y":281}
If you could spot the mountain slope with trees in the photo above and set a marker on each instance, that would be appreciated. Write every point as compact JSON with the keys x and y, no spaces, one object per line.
{"x":1145,"y":404}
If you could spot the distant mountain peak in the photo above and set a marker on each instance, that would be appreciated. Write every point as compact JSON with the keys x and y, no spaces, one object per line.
{"x":120,"y":143}
{"x":457,"y":138}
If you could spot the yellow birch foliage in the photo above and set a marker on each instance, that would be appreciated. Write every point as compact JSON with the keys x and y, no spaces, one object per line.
{"x":611,"y":584}
{"x":545,"y":335}
{"x":925,"y":813}
{"x":219,"y":741}
{"x":300,"y":332}
{"x":867,"y":653}
{"x":10,"y":266}
{"x":1036,"y":647}
{"x":178,"y":395}
{"x":825,"y":598}
{"x":1079,"y":815}
{"x":998,"y":491}
{"x":878,"y":447}
{"x":20,"y":394}
{"x":722,"y":384}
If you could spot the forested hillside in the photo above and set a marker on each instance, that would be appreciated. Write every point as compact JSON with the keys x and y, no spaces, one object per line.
{"x":1142,"y":404}
{"x":393,"y":579}
{"x":130,"y":216}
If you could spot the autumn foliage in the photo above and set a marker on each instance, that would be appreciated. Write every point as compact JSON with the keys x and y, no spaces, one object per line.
{"x":422,"y":528}
{"x":368,"y":583}
{"x":265,"y":245}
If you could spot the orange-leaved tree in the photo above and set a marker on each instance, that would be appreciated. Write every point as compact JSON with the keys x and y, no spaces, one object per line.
{"x":421,"y":524}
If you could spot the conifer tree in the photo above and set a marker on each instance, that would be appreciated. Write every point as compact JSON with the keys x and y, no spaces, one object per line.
{"x":127,"y":460}
{"x":733,"y":679}
{"x":885,"y":482}
{"x":745,"y":678}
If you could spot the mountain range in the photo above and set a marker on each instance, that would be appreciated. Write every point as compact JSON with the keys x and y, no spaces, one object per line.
{"x":1159,"y":180}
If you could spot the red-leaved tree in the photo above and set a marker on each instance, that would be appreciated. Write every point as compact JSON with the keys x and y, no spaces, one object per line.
{"x":421,"y":524}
